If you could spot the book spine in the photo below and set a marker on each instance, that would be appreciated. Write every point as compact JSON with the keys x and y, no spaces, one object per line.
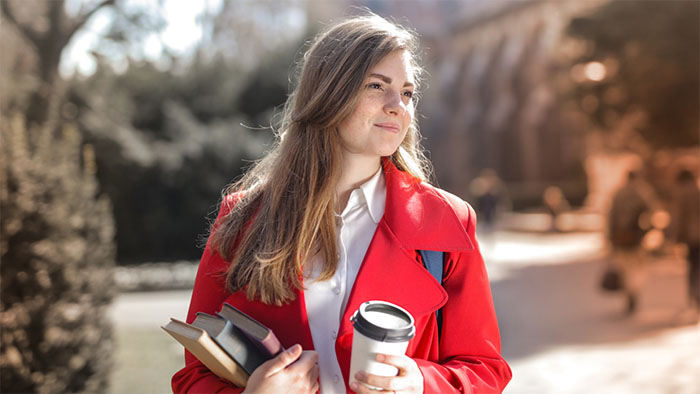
{"x":240,"y":348}
{"x":270,"y":345}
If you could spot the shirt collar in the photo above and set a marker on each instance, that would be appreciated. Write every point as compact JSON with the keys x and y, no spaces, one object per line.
{"x":374,"y":191}
{"x":372,"y":194}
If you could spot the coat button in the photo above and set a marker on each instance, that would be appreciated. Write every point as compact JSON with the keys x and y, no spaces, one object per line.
{"x":336,"y":379}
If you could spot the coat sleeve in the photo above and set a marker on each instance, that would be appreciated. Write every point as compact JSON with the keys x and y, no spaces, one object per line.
{"x":208,"y":295}
{"x":470,"y":358}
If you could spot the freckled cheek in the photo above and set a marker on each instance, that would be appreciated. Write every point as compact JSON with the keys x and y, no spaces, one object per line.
{"x":408,"y":118}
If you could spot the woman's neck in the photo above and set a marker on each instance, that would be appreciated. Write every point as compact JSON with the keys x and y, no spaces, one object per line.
{"x":356,"y":171}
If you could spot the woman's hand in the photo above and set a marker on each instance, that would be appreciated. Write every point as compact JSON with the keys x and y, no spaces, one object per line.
{"x":408,"y":380}
{"x":292,"y":371}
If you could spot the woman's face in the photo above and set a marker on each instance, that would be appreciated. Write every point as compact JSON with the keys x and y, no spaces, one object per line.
{"x":384,"y":110}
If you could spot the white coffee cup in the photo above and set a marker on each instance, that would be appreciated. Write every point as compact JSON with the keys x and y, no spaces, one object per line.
{"x":379,"y":327}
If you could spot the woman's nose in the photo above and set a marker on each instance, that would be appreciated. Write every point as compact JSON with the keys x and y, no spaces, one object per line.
{"x":393,"y":103}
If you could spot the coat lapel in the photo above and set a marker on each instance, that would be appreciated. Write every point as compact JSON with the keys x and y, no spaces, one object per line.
{"x":391,"y":273}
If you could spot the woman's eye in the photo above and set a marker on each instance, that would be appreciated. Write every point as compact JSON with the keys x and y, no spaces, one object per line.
{"x":408,"y":93}
{"x":374,"y":85}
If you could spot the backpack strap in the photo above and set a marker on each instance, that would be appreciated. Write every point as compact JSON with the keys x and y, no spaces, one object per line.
{"x":433,"y":262}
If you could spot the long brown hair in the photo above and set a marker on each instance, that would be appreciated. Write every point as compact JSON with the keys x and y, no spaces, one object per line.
{"x":283,"y":212}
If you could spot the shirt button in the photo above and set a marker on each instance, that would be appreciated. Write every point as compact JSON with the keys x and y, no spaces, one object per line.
{"x":335,"y":334}
{"x":336,"y":290}
{"x":336,"y":379}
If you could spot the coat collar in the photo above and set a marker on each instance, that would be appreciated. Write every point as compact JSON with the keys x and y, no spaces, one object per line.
{"x":421,"y":217}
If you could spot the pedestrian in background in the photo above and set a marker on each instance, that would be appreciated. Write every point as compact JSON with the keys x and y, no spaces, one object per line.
{"x":685,"y":229}
{"x":336,"y":215}
{"x":625,"y":234}
{"x":490,"y":198}
{"x":555,"y":203}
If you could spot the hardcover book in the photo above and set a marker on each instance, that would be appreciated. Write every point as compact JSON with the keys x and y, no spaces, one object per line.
{"x":232,"y":345}
{"x":202,"y":346}
{"x":263,"y":337}
{"x":234,"y":342}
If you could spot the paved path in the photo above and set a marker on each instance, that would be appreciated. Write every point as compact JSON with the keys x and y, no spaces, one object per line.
{"x":559,"y":333}
{"x":145,"y":357}
{"x":149,"y":309}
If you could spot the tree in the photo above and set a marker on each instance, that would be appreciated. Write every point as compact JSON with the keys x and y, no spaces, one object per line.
{"x":169,"y":139}
{"x":48,"y":41}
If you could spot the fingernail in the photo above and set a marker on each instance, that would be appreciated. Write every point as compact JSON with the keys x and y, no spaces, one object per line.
{"x":353,"y":385}
{"x":360,"y":375}
{"x":381,"y":357}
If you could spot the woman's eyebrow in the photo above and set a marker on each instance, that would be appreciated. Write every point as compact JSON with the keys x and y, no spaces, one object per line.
{"x":387,"y":79}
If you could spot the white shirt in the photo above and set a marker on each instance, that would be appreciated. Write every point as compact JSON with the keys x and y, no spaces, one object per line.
{"x":326,"y":300}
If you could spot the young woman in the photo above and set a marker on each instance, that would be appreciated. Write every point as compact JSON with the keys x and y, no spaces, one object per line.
{"x":337,"y":215}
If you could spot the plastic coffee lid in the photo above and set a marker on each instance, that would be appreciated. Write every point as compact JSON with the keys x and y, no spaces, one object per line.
{"x":384,"y":321}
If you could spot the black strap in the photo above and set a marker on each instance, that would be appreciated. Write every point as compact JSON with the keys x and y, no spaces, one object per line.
{"x":433,"y":262}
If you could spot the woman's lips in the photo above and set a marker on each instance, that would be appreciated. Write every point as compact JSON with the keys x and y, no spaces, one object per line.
{"x":394,"y":128}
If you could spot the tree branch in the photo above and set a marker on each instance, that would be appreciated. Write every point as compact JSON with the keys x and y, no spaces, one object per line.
{"x":29,"y":33}
{"x":80,"y":20}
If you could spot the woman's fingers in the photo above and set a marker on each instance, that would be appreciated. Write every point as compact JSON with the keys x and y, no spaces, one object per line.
{"x":303,"y":368}
{"x":282,"y":360}
{"x":408,"y":379}
{"x":313,"y":378}
{"x":360,"y":388}
{"x":307,"y":361}
{"x":314,"y":372}
{"x":400,"y":362}
{"x":391,"y":383}
{"x":303,"y":372}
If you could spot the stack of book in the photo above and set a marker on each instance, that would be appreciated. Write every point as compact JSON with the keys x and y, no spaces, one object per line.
{"x":232,"y":344}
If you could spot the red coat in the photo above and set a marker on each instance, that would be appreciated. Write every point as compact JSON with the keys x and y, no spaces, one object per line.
{"x":417,"y":217}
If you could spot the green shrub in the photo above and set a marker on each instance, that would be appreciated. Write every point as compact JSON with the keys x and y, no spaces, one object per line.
{"x":57,"y":257}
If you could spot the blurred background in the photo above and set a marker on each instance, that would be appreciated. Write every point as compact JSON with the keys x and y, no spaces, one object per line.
{"x":122,"y":121}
